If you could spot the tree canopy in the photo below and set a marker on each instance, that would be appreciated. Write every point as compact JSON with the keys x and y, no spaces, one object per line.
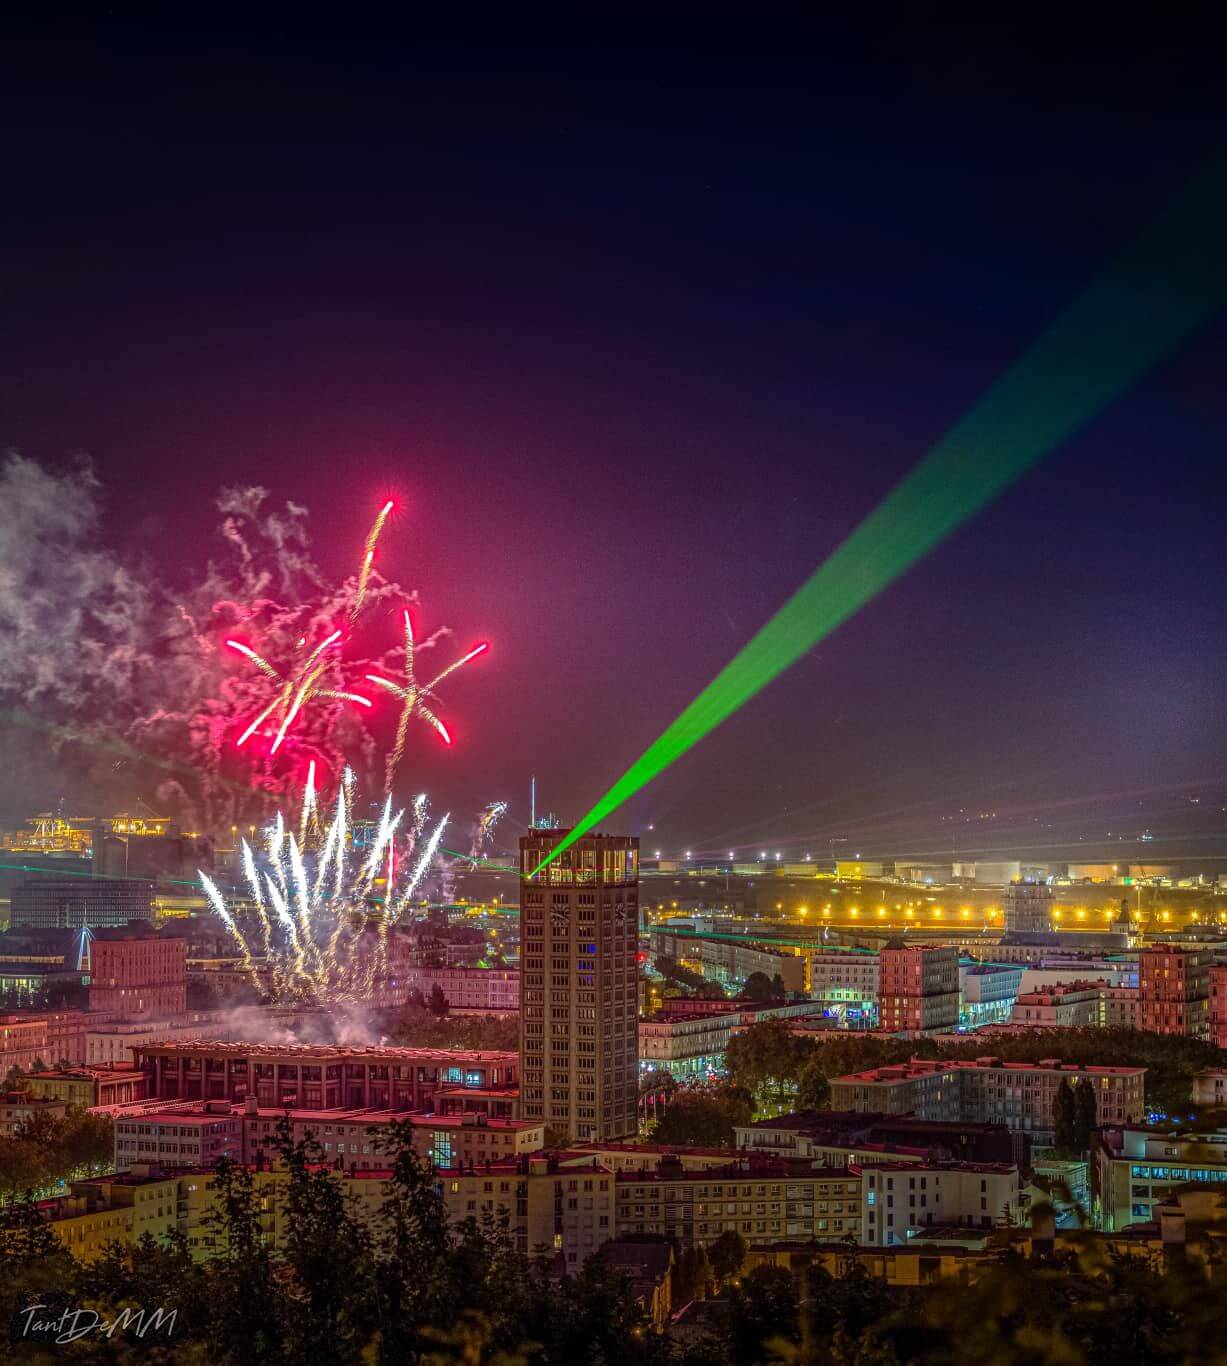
{"x":48,"y":1149}
{"x":703,"y":1117}
{"x":419,"y":1026}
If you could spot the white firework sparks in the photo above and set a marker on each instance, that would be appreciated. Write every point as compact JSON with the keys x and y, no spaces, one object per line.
{"x":326,"y":935}
{"x":486,"y":822}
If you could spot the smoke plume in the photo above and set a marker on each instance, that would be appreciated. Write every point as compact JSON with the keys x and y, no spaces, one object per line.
{"x":112,"y":681}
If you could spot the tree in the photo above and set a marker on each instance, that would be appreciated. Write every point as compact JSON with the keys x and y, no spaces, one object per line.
{"x":762,"y":1311}
{"x":813,"y":1088}
{"x":328,"y":1249}
{"x":1086,"y":1117}
{"x":411,"y":1245}
{"x":703,"y":1118}
{"x":155,"y":1272}
{"x":691,"y":1274}
{"x":438,"y":1001}
{"x":35,"y":1267}
{"x":25,"y":1236}
{"x":415,"y":1026}
{"x":766,"y":1059}
{"x":1063,"y":1116}
{"x":727,"y":1254}
{"x":87,"y":1143}
{"x":759,"y":987}
{"x":248,"y":1319}
{"x":842,"y":1306}
{"x":673,"y":972}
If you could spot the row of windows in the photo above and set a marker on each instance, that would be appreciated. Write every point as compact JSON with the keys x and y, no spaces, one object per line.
{"x":1206,"y":1174}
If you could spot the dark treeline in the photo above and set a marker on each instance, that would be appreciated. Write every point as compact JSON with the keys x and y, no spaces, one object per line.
{"x":408,"y":1287}
{"x":46,"y":1149}
{"x":779,"y":1067}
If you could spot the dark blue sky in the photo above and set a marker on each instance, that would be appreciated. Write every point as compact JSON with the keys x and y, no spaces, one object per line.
{"x":640,"y":319}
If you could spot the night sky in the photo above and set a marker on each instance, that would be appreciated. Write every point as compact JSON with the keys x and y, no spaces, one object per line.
{"x":639,"y":321}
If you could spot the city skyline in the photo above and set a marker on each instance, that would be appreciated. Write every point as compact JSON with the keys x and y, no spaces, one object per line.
{"x":610,"y":688}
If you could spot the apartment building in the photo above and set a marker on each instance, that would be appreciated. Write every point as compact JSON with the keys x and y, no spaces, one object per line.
{"x":113,"y":1209}
{"x":548,"y":1207}
{"x":988,"y":1090}
{"x":178,"y":1134}
{"x":136,"y":971}
{"x":171,"y":1135}
{"x":1217,"y":1005}
{"x":850,"y":978}
{"x":686,"y":1044}
{"x":764,"y":1199}
{"x":731,"y":963}
{"x":1141,"y":1170}
{"x":899,"y":1201}
{"x":919,"y":991}
{"x":1174,"y":991}
{"x":1079,"y":1004}
{"x":464,"y":989}
{"x":89,"y":1087}
{"x":321,"y":1077}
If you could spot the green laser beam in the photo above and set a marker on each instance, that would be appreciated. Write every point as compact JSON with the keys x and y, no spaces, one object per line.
{"x":486,"y":863}
{"x":1172,"y":278}
{"x":104,"y":877}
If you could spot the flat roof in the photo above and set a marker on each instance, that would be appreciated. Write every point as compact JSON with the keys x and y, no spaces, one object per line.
{"x":843,"y":1122}
{"x":918,"y":1168}
{"x":926,"y":1067}
{"x":759,"y":1168}
{"x":324,"y":1052}
{"x":170,"y":1110}
{"x":650,"y":1149}
{"x":92,"y":1072}
{"x":127,"y":1179}
{"x":179,"y":1110}
{"x":493,"y":1092}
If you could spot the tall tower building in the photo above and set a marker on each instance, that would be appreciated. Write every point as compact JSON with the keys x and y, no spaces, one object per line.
{"x":579,"y":1025}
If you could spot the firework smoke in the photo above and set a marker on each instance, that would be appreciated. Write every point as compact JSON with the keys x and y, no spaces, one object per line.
{"x":119,"y":673}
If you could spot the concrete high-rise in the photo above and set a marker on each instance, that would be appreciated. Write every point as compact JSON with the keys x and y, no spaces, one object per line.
{"x":52,"y":903}
{"x":1028,"y":908}
{"x":918,"y":990}
{"x":1174,"y":990}
{"x":136,"y":971}
{"x":579,"y":1026}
